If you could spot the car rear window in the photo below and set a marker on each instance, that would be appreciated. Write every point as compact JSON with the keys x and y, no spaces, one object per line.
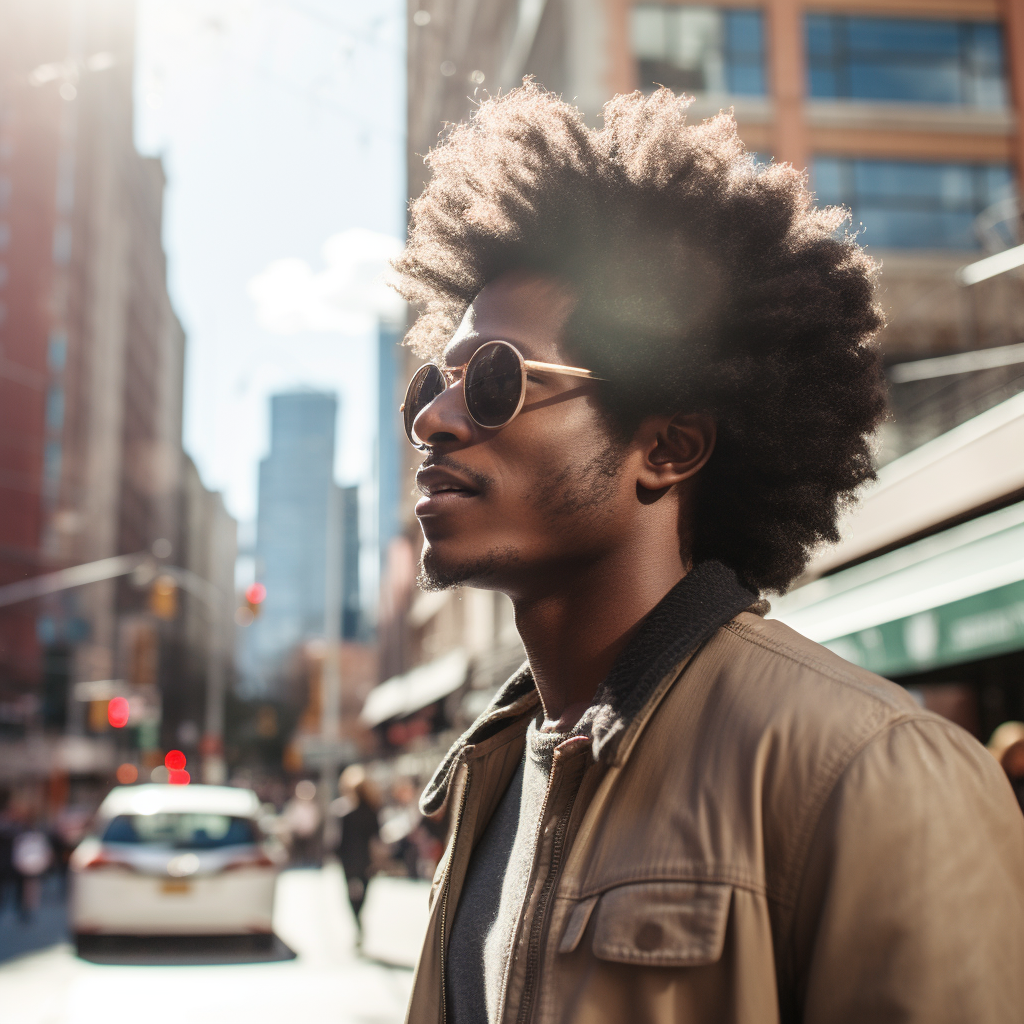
{"x":192,"y":831}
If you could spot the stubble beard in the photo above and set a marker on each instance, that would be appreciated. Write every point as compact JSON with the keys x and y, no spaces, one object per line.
{"x":484,"y":572}
{"x":563,"y":498}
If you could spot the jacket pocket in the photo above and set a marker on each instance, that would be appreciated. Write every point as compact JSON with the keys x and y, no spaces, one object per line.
{"x":662,"y":924}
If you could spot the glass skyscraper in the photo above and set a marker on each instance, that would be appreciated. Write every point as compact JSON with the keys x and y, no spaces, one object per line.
{"x":299,"y":507}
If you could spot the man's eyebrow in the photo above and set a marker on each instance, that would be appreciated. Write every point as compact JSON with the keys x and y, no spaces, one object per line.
{"x":449,"y":365}
{"x":465,"y":347}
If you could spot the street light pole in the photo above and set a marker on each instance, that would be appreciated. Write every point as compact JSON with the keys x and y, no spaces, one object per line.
{"x":214,"y":768}
{"x":330,"y":673}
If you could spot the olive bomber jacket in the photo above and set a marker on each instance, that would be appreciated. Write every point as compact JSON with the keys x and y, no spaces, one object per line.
{"x":774,"y":835}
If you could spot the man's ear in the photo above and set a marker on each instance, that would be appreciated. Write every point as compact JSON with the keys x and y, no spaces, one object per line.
{"x":673,"y":448}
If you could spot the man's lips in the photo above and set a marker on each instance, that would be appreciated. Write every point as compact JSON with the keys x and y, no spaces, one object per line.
{"x":440,"y":488}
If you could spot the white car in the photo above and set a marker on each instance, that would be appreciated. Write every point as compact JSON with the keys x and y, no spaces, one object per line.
{"x":174,"y":860}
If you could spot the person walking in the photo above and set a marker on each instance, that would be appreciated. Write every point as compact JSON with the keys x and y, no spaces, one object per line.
{"x":652,"y":391}
{"x":10,"y":879}
{"x":360,"y":833}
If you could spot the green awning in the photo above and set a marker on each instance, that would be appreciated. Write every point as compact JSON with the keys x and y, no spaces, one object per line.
{"x":951,"y":598}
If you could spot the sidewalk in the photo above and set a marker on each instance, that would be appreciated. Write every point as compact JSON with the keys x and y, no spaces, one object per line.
{"x":47,"y":926}
{"x":327,"y":983}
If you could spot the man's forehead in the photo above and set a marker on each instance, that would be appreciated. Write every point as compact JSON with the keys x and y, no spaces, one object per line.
{"x":529,"y":311}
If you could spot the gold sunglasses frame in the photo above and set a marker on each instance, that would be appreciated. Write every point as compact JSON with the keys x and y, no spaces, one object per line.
{"x":452,"y":375}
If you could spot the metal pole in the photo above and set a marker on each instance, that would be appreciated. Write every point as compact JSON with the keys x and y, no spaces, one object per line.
{"x":214,"y":768}
{"x":330,"y":675}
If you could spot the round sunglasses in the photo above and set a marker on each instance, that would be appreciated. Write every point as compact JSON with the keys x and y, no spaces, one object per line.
{"x":494,"y":383}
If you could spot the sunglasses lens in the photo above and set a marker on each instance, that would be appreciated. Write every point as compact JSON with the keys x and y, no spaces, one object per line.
{"x":494,"y":384}
{"x":427,"y":383}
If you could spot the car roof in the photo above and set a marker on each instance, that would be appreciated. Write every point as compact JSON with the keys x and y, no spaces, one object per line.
{"x":153,"y":798}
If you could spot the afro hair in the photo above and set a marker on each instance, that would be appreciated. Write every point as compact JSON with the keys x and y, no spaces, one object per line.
{"x":707,"y":282}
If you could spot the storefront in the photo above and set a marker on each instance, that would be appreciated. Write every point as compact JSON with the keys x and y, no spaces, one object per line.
{"x":943,"y":614}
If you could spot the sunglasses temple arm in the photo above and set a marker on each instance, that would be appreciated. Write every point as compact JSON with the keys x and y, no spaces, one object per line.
{"x":569,"y":371}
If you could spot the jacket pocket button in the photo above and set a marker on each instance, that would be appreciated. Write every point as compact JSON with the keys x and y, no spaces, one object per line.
{"x":649,"y":937}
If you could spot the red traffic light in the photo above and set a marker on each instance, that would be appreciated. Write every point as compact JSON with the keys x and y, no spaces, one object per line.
{"x":117,"y":712}
{"x":254,"y":597}
{"x":175,"y":760}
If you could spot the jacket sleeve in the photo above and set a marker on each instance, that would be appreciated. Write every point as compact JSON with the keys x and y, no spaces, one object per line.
{"x":911,"y":907}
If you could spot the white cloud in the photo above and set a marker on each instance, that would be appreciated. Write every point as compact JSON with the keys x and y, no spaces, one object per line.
{"x":346,"y":297}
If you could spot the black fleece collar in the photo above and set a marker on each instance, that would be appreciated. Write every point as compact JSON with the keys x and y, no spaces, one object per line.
{"x":705,"y":599}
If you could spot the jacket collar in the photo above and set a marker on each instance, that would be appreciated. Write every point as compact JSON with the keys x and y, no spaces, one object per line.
{"x":706,"y":598}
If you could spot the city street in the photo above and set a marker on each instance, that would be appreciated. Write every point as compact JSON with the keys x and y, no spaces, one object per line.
{"x":326,"y":980}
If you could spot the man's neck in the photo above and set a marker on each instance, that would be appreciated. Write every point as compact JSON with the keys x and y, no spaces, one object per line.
{"x":574,"y":633}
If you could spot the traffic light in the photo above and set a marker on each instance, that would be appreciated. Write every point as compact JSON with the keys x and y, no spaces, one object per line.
{"x":174,"y":762}
{"x":254,"y":598}
{"x":118,"y":712}
{"x":163,"y":597}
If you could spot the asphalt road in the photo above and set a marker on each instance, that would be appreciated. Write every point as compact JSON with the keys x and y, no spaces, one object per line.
{"x":312,"y":972}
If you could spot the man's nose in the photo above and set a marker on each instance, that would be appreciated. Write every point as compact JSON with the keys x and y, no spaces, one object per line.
{"x":446,"y":420}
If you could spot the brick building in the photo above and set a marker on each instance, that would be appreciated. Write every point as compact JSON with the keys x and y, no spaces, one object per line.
{"x":91,"y":375}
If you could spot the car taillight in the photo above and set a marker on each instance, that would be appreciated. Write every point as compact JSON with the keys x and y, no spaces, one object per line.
{"x":98,"y":859}
{"x":258,"y":860}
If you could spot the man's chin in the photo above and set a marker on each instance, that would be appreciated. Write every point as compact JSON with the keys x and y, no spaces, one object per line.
{"x":443,"y":571}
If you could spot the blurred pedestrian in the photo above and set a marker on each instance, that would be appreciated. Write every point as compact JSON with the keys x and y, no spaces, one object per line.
{"x":10,"y":881}
{"x":32,"y":857}
{"x":1003,"y":737}
{"x":1012,"y":760}
{"x":416,"y":842}
{"x":358,"y":846}
{"x":301,"y":817}
{"x":399,"y":822}
{"x":1007,"y":746}
{"x":1013,"y":765}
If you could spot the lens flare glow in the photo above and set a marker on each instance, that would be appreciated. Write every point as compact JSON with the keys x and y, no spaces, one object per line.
{"x":178,"y":777}
{"x":127,"y":774}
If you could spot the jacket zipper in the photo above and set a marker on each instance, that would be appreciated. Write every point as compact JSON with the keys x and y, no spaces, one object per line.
{"x":444,"y":899}
{"x":537,"y":925}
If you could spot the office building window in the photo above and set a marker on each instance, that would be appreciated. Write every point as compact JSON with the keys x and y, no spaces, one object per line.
{"x":906,"y":60}
{"x":699,"y":49}
{"x":910,"y":205}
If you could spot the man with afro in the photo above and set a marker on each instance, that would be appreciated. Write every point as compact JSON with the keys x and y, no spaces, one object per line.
{"x":651,"y":392}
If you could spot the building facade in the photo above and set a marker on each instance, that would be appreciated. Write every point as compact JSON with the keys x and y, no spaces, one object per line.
{"x":91,"y":381}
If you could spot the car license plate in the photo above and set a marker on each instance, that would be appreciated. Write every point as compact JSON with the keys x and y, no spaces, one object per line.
{"x":175,"y":888}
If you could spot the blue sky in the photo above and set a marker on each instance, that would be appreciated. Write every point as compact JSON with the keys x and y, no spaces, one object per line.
{"x":281,"y":127}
